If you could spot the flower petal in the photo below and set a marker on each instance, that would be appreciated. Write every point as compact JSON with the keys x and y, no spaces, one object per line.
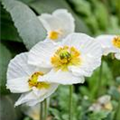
{"x":67,"y":20}
{"x":84,"y":43}
{"x":50,"y":22}
{"x":18,"y":67}
{"x":61,"y":21}
{"x":88,"y":65}
{"x":32,"y":99}
{"x":59,"y":18}
{"x":18,"y":85}
{"x":41,"y":53}
{"x":90,"y":50}
{"x":32,"y":112}
{"x":62,"y":77}
{"x":106,"y":43}
{"x":26,"y":97}
{"x":18,"y":74}
{"x":45,"y":94}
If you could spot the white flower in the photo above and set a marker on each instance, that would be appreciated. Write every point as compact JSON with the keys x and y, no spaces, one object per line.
{"x":103,"y":103}
{"x":33,"y":112}
{"x":110,"y":44}
{"x":72,"y":59}
{"x":58,"y":25}
{"x":23,"y":78}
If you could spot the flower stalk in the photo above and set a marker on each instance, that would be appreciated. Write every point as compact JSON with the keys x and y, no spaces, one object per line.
{"x":70,"y":101}
{"x":100,"y":78}
{"x":117,"y":113}
{"x":41,"y":111}
{"x":45,"y":109}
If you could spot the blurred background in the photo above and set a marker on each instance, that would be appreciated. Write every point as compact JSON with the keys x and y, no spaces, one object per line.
{"x":93,"y":100}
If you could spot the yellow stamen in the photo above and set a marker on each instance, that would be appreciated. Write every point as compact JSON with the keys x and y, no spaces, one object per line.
{"x":54,"y":35}
{"x":64,"y":57}
{"x":116,"y":42}
{"x":33,"y":81}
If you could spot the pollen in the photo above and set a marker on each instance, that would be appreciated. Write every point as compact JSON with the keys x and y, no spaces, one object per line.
{"x":64,"y":57}
{"x":116,"y":42}
{"x":33,"y":81}
{"x":54,"y":35}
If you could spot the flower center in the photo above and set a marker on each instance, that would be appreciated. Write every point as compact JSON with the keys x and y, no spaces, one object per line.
{"x":116,"y":42}
{"x":64,"y":57}
{"x":33,"y":81}
{"x":54,"y":35}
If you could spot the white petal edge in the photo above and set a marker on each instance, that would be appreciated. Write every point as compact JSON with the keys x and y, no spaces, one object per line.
{"x":67,"y":20}
{"x":62,"y":77}
{"x":91,"y":53}
{"x":18,"y":67}
{"x":40,"y":55}
{"x":60,"y":17}
{"x":106,"y":43}
{"x":47,"y":94}
{"x":88,"y":65}
{"x":32,"y":99}
{"x":26,"y":97}
{"x":84,"y":43}
{"x":18,"y":85}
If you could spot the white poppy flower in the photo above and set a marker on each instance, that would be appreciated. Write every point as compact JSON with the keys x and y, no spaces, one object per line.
{"x":70,"y":60}
{"x":58,"y":24}
{"x":110,"y":44}
{"x":103,"y":103}
{"x":33,"y":112}
{"x":23,"y":78}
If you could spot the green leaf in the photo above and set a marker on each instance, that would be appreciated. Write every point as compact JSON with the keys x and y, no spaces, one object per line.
{"x":5,"y":57}
{"x":102,"y":15}
{"x":7,"y":110}
{"x":101,"y":115}
{"x":28,"y":25}
{"x":8,"y":31}
{"x":48,"y":6}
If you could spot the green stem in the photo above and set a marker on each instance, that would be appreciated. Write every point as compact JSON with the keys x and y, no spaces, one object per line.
{"x":118,"y":9}
{"x":70,"y":102}
{"x":100,"y":79}
{"x":45,"y":109}
{"x":41,"y":111}
{"x":117,"y":113}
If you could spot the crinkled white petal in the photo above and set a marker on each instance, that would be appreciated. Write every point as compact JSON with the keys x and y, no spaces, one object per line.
{"x":50,"y":22}
{"x":86,"y":68}
{"x":61,"y":20}
{"x":84,"y":43}
{"x":91,"y":53}
{"x":26,"y":97}
{"x":66,"y":19}
{"x":32,"y":98}
{"x":46,"y":93}
{"x":40,"y":54}
{"x":18,"y":67}
{"x":62,"y":77}
{"x":18,"y":85}
{"x":106,"y":43}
